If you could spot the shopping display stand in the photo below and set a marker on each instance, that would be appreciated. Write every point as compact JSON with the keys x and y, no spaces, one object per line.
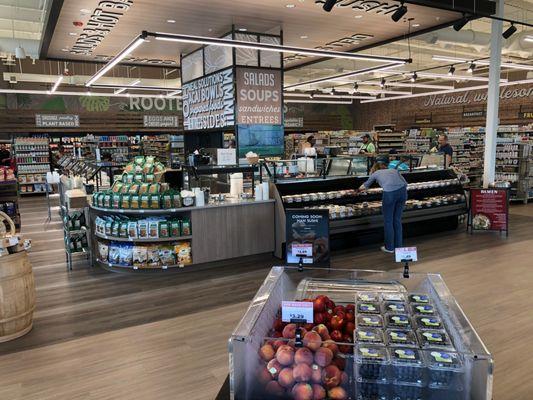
{"x":489,"y":210}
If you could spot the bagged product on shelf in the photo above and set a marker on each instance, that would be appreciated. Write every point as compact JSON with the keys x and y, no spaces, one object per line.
{"x":143,"y":229}
{"x":126,"y":254}
{"x":125,"y":188}
{"x":114,"y":253}
{"x":149,"y":160}
{"x":153,"y":256}
{"x":117,"y":187}
{"x":125,"y":201}
{"x":123,"y":229}
{"x":150,"y":178}
{"x":185,"y":227}
{"x":132,"y":230}
{"x":99,"y":224}
{"x":145,"y":201}
{"x":116,"y":201}
{"x":140,"y":256}
{"x":143,"y":188}
{"x":174,"y":228}
{"x":109,"y":226}
{"x":127,"y":178}
{"x":159,"y":167}
{"x":148,"y":168}
{"x":154,"y":201}
{"x":154,"y":188}
{"x":153,"y":229}
{"x":139,"y":176}
{"x":139,"y":160}
{"x":167,"y":256}
{"x":134,"y":201}
{"x":134,"y":188}
{"x":166,"y":200}
{"x":107,"y":201}
{"x":103,"y":251}
{"x":115,"y":228}
{"x":163,"y":229}
{"x":130,"y":168}
{"x":183,"y":253}
{"x":176,"y":200}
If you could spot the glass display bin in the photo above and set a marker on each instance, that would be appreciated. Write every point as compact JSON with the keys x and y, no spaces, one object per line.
{"x":332,"y":358}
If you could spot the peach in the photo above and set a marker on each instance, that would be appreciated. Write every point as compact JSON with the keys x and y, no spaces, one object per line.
{"x":278,"y":343}
{"x":337,"y":393}
{"x":330,"y":344}
{"x":266,"y":352}
{"x":316,"y":376}
{"x":323,"y":356}
{"x":285,"y":355}
{"x":273,"y":388}
{"x":303,"y":356}
{"x":285,"y":378}
{"x":274,"y":367}
{"x":302,"y":391}
{"x":319,"y":393}
{"x":322,"y":330}
{"x":331,"y":376}
{"x":263,"y":376}
{"x":302,"y":373}
{"x":289,"y":332}
{"x":312,"y":340}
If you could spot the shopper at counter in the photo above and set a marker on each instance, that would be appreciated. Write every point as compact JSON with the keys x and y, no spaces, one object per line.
{"x":394,"y":198}
{"x":367,"y":147}
{"x":443,"y":147}
{"x":308,"y":147}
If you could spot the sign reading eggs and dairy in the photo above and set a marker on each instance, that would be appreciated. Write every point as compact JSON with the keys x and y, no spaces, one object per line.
{"x":307,"y":237}
{"x":259,"y":96}
{"x":208,"y":102}
{"x":489,"y":209}
{"x":301,"y":311}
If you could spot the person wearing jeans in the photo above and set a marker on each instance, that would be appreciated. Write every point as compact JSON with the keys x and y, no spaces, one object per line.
{"x":394,"y":198}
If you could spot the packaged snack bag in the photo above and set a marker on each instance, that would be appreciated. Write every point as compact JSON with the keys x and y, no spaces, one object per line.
{"x":166,"y":200}
{"x":123,"y":229}
{"x":174,"y":228}
{"x":164,"y":229}
{"x":115,"y":228}
{"x":116,"y":200}
{"x":140,"y":256}
{"x":185,"y":227}
{"x":103,"y":251}
{"x":114,"y":253}
{"x":144,"y":188}
{"x":108,"y":227}
{"x":139,"y":160}
{"x":153,"y":229}
{"x":125,"y":201}
{"x":145,"y":201}
{"x":134,"y":201}
{"x":154,"y":201}
{"x":125,"y":188}
{"x":126,"y":254}
{"x":134,"y":188}
{"x":153,"y":256}
{"x":132,"y":230}
{"x":154,"y":188}
{"x":142,"y":227}
{"x":167,"y":256}
{"x":117,"y":187}
{"x":183,"y":253}
{"x":107,"y":201}
{"x":176,"y":200}
{"x":149,"y":178}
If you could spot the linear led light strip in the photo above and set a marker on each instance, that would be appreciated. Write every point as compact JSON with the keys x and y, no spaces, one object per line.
{"x":521,"y":82}
{"x":123,"y":89}
{"x":234,"y":44}
{"x":456,"y":77}
{"x":345,"y":75}
{"x":482,"y":62}
{"x":408,"y":85}
{"x":328,"y":96}
{"x":23,"y":91}
{"x":56,"y":85}
{"x":317,"y":101}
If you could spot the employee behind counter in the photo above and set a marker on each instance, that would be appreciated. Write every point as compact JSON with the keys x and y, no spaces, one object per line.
{"x":367,"y":147}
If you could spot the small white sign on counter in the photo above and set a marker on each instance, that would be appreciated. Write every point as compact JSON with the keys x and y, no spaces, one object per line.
{"x":302,"y":310}
{"x":226,"y":156}
{"x":406,"y":254}
{"x":302,"y":250}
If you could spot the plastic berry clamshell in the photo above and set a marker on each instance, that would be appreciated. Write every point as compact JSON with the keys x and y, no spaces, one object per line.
{"x":401,"y":337}
{"x":407,"y":365}
{"x":372,"y":363}
{"x":445,"y":369}
{"x":431,"y":339}
{"x":395,"y":307}
{"x":373,"y":391}
{"x":429,"y":322}
{"x":408,"y":391}
{"x":369,"y":320}
{"x":369,"y":335}
{"x":398,"y":321}
{"x":419,"y":298}
{"x":446,"y":394}
{"x":372,"y":297}
{"x":423,"y":309}
{"x":368,"y":307}
{"x":393,"y":296}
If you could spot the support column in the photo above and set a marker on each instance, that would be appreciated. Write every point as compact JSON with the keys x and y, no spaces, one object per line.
{"x":493,"y":98}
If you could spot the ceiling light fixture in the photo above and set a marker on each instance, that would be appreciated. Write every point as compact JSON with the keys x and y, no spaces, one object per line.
{"x":304,"y":37}
{"x":20,"y":53}
{"x":314,"y":95}
{"x":242,"y":29}
{"x":458,"y":25}
{"x":471,"y":68}
{"x":416,"y":25}
{"x":81,"y":93}
{"x":413,"y":77}
{"x":358,"y":16}
{"x":456,"y":77}
{"x":56,"y":85}
{"x":290,"y":5}
{"x":318,"y":101}
{"x":451,"y":71}
{"x":171,"y":21}
{"x":382,"y":83}
{"x":484,"y":62}
{"x":509,"y":32}
{"x":410,"y":85}
{"x":147,"y":88}
{"x":399,"y":13}
{"x":328,"y":5}
{"x":529,"y":38}
{"x":118,"y":58}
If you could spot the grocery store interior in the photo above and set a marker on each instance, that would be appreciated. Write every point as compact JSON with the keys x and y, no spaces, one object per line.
{"x":260,"y":200}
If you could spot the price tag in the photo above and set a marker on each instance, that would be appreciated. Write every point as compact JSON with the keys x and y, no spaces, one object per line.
{"x":135,"y":268}
{"x":302,"y":250}
{"x":13,"y":241}
{"x":141,"y":211}
{"x":297,"y":310}
{"x":164,"y":267}
{"x":406,"y":254}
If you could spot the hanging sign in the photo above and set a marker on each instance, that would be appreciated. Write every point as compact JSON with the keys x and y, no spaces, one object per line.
{"x":208,"y":102}
{"x":259,"y":96}
{"x":307,"y":238}
{"x":423,"y":120}
{"x":294,"y":122}
{"x":489,"y":210}
{"x":57,"y":121}
{"x":474,"y":114}
{"x":525,"y":115}
{"x":160,"y":121}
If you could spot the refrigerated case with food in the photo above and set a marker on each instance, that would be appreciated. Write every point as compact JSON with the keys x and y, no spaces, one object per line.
{"x":374,"y":335}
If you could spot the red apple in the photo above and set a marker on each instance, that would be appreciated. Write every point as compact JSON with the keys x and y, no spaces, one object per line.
{"x":330,"y":344}
{"x":337,"y":393}
{"x":331,"y":376}
{"x":350,"y":308}
{"x":350,"y":317}
{"x":316,"y":376}
{"x":323,"y":357}
{"x":347,"y":338}
{"x":302,"y":373}
{"x":273,"y":388}
{"x":277,"y":334}
{"x":274,"y":367}
{"x":303,"y":356}
{"x":319,"y":393}
{"x":285,"y":378}
{"x":267,"y":352}
{"x":330,"y":304}
{"x":308,"y":327}
{"x":320,"y":318}
{"x":312,"y":340}
{"x":349,"y":328}
{"x":339,"y":362}
{"x":302,"y":391}
{"x":322,"y":330}
{"x":336,"y":335}
{"x":339,"y":309}
{"x":337,"y":323}
{"x":289,"y":332}
{"x":285,"y":355}
{"x":263,"y":376}
{"x":319,"y":304}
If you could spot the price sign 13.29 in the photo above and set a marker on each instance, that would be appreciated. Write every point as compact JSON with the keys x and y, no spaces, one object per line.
{"x":297,"y":310}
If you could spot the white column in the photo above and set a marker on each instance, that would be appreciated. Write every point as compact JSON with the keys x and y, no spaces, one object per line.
{"x":493,"y":98}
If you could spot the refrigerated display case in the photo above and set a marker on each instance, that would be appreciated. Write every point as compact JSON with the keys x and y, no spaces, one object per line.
{"x":268,"y":358}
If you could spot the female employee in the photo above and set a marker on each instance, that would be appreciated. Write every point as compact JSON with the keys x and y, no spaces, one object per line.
{"x":394,"y":198}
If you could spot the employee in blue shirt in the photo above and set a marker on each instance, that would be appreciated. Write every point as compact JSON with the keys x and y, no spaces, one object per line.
{"x":393,"y":202}
{"x":445,"y":148}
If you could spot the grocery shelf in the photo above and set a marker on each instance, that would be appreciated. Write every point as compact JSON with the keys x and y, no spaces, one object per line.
{"x":128,"y":268}
{"x":142,"y":211}
{"x":141,"y":240}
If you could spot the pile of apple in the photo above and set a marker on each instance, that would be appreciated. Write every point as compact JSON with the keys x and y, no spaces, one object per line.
{"x":314,"y":370}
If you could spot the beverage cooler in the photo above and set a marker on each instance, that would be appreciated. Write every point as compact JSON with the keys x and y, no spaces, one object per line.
{"x":375,"y":336}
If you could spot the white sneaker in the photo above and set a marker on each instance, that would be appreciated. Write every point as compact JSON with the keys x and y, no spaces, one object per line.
{"x":384,"y":250}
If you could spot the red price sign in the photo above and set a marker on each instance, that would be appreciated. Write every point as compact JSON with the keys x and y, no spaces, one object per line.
{"x":489,"y":209}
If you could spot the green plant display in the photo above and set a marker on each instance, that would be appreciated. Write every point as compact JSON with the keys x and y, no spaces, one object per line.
{"x":95,"y":103}
{"x":56,"y":103}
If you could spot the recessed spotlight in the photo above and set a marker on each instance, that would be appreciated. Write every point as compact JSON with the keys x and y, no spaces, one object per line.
{"x":210,"y":30}
{"x":73,"y":34}
{"x":358,"y":16}
{"x":290,"y":5}
{"x":416,"y":25}
{"x":304,"y":37}
{"x":171,"y":21}
{"x":243,"y":29}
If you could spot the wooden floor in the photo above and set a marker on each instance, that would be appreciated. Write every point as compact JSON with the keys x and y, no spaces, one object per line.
{"x":99,"y":335}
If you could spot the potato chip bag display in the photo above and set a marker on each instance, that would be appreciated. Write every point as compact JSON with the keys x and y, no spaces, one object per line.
{"x":159,"y":167}
{"x":167,"y":256}
{"x":139,"y":177}
{"x":149,"y":159}
{"x":126,"y":254}
{"x":149,"y":178}
{"x":108,"y":227}
{"x":117,"y":187}
{"x":129,"y":168}
{"x":107,"y":201}
{"x":164,"y":231}
{"x":165,"y":187}
{"x":144,"y":187}
{"x":185,"y":227}
{"x":145,"y":201}
{"x":183,"y":253}
{"x":99,"y":224}
{"x":148,"y":168}
{"x":153,"y":229}
{"x":116,"y":201}
{"x":166,"y":200}
{"x":132,"y":230}
{"x":175,"y":228}
{"x":134,"y":188}
{"x":176,"y":200}
{"x":134,"y":201}
{"x":139,"y":160}
{"x":140,"y":256}
{"x":154,"y":188}
{"x":125,"y":201}
{"x":103,"y":251}
{"x":114,"y":253}
{"x":142,"y":228}
{"x":154,"y":201}
{"x":115,"y":228}
{"x":123,"y":229}
{"x":153,"y":256}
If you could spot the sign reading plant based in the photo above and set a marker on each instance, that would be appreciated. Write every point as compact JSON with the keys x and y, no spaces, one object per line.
{"x":208,"y":102}
{"x":489,"y":209}
{"x":259,"y":96}
{"x":307,"y":238}
{"x":57,"y":121}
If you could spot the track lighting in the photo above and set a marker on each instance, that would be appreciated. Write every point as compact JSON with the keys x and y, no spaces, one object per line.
{"x":56,"y":85}
{"x":399,"y":13}
{"x":333,"y":92}
{"x":311,"y":95}
{"x":382,"y":83}
{"x":451,"y":71}
{"x":414,"y":77}
{"x":329,"y":4}
{"x":461,"y":23}
{"x":355,"y":87}
{"x":471,"y":68}
{"x":509,"y":32}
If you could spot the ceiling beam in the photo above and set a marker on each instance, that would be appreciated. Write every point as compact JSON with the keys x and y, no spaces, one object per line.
{"x":49,"y":27}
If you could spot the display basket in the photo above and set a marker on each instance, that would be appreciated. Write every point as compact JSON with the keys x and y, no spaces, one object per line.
{"x":351,"y":354}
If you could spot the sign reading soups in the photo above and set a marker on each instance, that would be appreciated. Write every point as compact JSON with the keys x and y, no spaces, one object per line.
{"x":208,"y":102}
{"x":259,"y":95}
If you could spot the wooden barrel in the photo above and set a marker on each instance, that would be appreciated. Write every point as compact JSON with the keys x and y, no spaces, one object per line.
{"x":17,"y":296}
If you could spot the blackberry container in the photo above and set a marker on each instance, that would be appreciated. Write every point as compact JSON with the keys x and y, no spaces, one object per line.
{"x":368,"y":307}
{"x":373,"y":391}
{"x":445,"y":369}
{"x":401,"y":337}
{"x":402,"y":321}
{"x":423,"y":309}
{"x":395,"y":307}
{"x":428,"y":322}
{"x":368,"y":296}
{"x":372,"y":363}
{"x":408,"y":391}
{"x":407,"y":365}
{"x":419,"y":298}
{"x":369,"y":335}
{"x":370,"y":321}
{"x":393,"y":296}
{"x":434,"y":339}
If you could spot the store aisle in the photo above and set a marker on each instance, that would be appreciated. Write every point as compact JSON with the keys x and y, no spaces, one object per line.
{"x":99,"y":335}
